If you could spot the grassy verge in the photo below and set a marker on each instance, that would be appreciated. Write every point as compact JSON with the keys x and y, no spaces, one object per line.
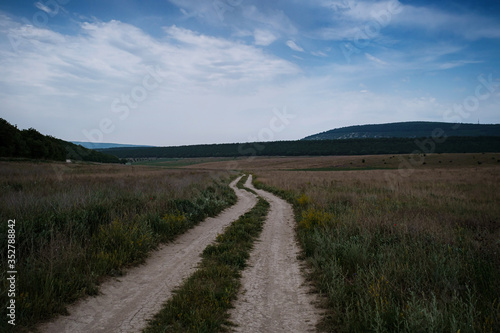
{"x":202,"y":302}
{"x":76,"y":227}
{"x":241,"y":182}
{"x":422,"y":258}
{"x":241,"y":185}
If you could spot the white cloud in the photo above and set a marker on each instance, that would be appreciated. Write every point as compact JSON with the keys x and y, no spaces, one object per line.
{"x":458,"y":63}
{"x":319,"y":54}
{"x":223,"y":89}
{"x":276,"y":20}
{"x":237,"y":15}
{"x":291,"y":44}
{"x":375,"y":59}
{"x":366,"y":19}
{"x":47,"y":9}
{"x":263,"y":37}
{"x":339,"y":33}
{"x":469,"y":25}
{"x":73,"y":80}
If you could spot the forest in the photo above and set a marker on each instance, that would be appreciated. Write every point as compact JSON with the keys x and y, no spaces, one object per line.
{"x":319,"y":147}
{"x":31,"y":144}
{"x":410,"y":129}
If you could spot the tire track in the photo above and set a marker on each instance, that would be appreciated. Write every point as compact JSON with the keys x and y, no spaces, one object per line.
{"x":127,"y":303}
{"x":274,"y":296}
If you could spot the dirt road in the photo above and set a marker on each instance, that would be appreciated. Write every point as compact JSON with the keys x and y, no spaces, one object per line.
{"x":125,"y":304}
{"x":274,"y":297}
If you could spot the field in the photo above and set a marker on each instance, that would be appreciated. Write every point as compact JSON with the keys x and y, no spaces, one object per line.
{"x":355,"y":163}
{"x":393,"y":242}
{"x":175,"y":163}
{"x":78,"y":223}
{"x":418,"y":256}
{"x":396,"y":242}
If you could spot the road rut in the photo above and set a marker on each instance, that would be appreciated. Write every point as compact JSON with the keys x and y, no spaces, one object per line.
{"x":125,"y":304}
{"x":274,"y":296}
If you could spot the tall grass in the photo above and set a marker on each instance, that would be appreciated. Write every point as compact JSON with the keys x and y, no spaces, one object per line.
{"x":423,"y":257}
{"x":77,"y":224}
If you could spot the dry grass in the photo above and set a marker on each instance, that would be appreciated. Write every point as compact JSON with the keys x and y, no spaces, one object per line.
{"x":414,"y":253}
{"x":77,"y":223}
{"x":356,"y":162}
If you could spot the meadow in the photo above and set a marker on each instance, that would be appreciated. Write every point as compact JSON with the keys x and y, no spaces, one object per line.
{"x":77,"y":224}
{"x":419,"y":253}
{"x":391,"y":244}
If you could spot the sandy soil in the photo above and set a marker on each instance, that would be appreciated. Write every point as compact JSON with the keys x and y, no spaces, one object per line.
{"x":125,"y":304}
{"x":274,"y":295}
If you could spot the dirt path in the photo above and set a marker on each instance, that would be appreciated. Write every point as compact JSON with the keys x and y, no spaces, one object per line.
{"x":274,"y":297}
{"x":125,"y":304}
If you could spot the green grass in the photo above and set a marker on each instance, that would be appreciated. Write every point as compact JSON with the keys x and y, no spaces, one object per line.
{"x":75,"y":229}
{"x":241,"y":182}
{"x":241,"y":185}
{"x":422,"y":259}
{"x":202,"y":302}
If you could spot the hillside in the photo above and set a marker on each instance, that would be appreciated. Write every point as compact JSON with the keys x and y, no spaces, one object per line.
{"x":414,"y":129}
{"x":317,"y":148}
{"x":32,"y":144}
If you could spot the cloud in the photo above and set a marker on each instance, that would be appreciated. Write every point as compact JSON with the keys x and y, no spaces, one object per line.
{"x":109,"y":51}
{"x":468,"y":25}
{"x":276,"y":20}
{"x":367,"y":19}
{"x":47,"y":9}
{"x":237,"y":15}
{"x":263,"y":37}
{"x":458,"y":63}
{"x":221,"y":61}
{"x":319,"y":54}
{"x":291,"y":44}
{"x":219,"y":80}
{"x":375,"y":59}
{"x":354,"y":20}
{"x":53,"y":78}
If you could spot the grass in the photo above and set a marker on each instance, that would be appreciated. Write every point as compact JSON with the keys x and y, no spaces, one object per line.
{"x":202,"y":302}
{"x":241,"y":184}
{"x":175,"y":163}
{"x":344,"y":169}
{"x":359,"y":163}
{"x":419,"y":257}
{"x":77,"y":224}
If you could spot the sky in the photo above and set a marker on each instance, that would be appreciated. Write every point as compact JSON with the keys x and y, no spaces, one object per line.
{"x":179,"y":72}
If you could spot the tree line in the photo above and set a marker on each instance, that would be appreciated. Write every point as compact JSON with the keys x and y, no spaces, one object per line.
{"x":318,"y":147}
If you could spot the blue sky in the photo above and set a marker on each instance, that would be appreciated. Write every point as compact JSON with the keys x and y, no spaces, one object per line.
{"x":184,"y":72}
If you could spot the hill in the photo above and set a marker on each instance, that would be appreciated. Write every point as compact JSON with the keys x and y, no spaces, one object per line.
{"x":318,"y":148}
{"x":32,"y":144}
{"x":103,"y":145}
{"x":413,"y":129}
